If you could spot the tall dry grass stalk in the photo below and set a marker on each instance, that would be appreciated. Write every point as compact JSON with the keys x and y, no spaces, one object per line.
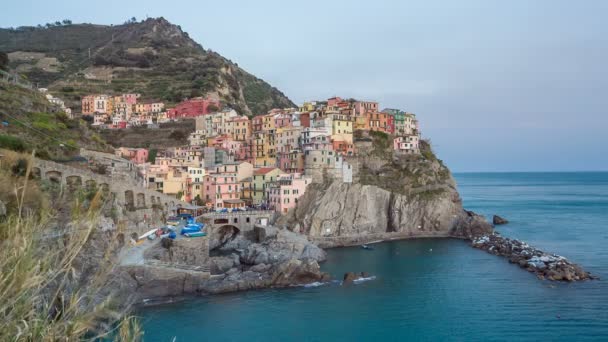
{"x":42,"y":294}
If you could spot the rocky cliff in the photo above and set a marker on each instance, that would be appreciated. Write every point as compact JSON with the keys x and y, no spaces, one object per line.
{"x":391,"y":198}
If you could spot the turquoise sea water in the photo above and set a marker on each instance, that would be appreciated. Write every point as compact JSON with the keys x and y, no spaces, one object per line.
{"x":430,"y":290}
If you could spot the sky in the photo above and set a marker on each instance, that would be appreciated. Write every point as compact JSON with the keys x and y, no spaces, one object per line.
{"x":514,"y":85}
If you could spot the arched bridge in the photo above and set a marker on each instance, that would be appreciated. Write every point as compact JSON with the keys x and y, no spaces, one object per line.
{"x":225,"y":226}
{"x":128,"y":193}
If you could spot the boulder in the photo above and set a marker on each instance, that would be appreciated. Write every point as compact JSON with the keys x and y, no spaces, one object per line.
{"x":219,"y":265}
{"x":349,"y":278}
{"x":497,"y":220}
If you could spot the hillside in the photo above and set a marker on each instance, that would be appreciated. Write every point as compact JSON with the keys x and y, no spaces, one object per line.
{"x":152,"y":57}
{"x":33,"y":123}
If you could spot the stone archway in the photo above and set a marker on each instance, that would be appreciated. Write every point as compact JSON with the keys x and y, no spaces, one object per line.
{"x":53,"y":176}
{"x":73,"y":182}
{"x":129,"y":200}
{"x":90,"y":185}
{"x":141,"y":200}
{"x":223,"y":235}
{"x":105,"y":190}
{"x":36,"y":173}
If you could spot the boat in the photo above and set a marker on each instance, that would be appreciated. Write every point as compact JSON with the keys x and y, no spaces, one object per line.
{"x":367,"y":247}
{"x":151,"y":232}
{"x":195,"y":234}
{"x":187,"y":230}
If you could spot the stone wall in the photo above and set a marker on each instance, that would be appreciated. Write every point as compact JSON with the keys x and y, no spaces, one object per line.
{"x":137,"y":207}
{"x":184,"y":253}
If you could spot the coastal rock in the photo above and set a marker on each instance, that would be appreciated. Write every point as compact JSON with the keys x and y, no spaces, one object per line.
{"x":544,"y":265}
{"x":351,"y":214}
{"x":218,"y":265}
{"x":286,"y":245}
{"x":297,"y":272}
{"x":470,"y":225}
{"x":497,"y":220}
{"x":349,"y":278}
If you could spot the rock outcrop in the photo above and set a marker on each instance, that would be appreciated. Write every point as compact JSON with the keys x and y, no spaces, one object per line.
{"x":349,"y":214}
{"x":497,"y":220}
{"x":392,"y":197}
{"x":278,"y":258}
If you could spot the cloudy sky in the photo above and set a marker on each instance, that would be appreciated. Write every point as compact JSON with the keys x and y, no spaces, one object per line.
{"x":514,"y":85}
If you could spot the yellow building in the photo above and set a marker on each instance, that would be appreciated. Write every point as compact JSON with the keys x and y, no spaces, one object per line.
{"x":341,"y":128}
{"x":265,"y":151}
{"x":175,"y":183}
{"x":307,"y":107}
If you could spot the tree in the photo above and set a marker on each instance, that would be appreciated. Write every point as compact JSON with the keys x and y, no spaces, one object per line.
{"x":152,"y":155}
{"x":48,"y":25}
{"x":3,"y":61}
{"x":133,"y":20}
{"x":67,"y":22}
{"x":58,"y":23}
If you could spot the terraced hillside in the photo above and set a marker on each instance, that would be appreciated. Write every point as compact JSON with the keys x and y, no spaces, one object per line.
{"x":31,"y":122}
{"x":152,"y":57}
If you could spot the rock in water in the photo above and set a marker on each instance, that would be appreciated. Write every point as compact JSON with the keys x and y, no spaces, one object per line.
{"x":499,"y":220}
{"x":349,"y":278}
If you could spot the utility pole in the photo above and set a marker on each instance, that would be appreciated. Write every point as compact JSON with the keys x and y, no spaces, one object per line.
{"x":89,"y":53}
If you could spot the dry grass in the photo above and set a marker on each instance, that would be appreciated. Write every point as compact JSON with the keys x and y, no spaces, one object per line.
{"x":42,"y":295}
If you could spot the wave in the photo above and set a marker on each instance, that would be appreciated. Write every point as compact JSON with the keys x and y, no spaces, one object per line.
{"x":360,"y":280}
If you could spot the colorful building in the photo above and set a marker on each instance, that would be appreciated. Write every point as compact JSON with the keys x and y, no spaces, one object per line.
{"x":193,"y":107}
{"x":261,"y":178}
{"x":283,"y":194}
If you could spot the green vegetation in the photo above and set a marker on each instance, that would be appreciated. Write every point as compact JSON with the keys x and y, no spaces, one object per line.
{"x":152,"y":57}
{"x":152,"y":153}
{"x":12,"y":143}
{"x":44,"y":293}
{"x":33,"y":123}
{"x":3,"y":61}
{"x":423,"y":176}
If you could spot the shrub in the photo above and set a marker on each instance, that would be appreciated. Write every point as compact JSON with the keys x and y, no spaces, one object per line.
{"x":12,"y":143}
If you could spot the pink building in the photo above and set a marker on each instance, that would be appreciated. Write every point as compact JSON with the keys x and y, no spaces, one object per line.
{"x":362,"y":107}
{"x":333,"y":101}
{"x":136,"y":155}
{"x":282,"y":120}
{"x":222,"y":190}
{"x":284,"y":193}
{"x":407,"y":144}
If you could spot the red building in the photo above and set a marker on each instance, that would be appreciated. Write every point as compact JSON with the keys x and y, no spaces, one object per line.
{"x":193,"y":108}
{"x":305,"y":119}
{"x":390,"y":124}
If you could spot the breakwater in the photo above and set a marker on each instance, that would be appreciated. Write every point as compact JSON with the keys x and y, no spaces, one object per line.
{"x":544,"y":265}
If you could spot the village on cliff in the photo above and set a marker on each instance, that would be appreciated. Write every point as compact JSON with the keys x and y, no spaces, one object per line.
{"x":235,"y":162}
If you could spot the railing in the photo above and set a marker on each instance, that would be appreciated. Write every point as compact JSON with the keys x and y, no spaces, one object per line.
{"x":238,"y":213}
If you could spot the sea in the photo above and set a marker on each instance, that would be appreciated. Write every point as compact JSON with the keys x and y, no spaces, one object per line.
{"x":434,"y":289}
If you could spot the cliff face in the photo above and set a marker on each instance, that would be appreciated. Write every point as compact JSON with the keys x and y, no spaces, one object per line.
{"x":392,"y":197}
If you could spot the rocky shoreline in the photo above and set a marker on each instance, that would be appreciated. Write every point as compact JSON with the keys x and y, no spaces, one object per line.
{"x":544,"y":265}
